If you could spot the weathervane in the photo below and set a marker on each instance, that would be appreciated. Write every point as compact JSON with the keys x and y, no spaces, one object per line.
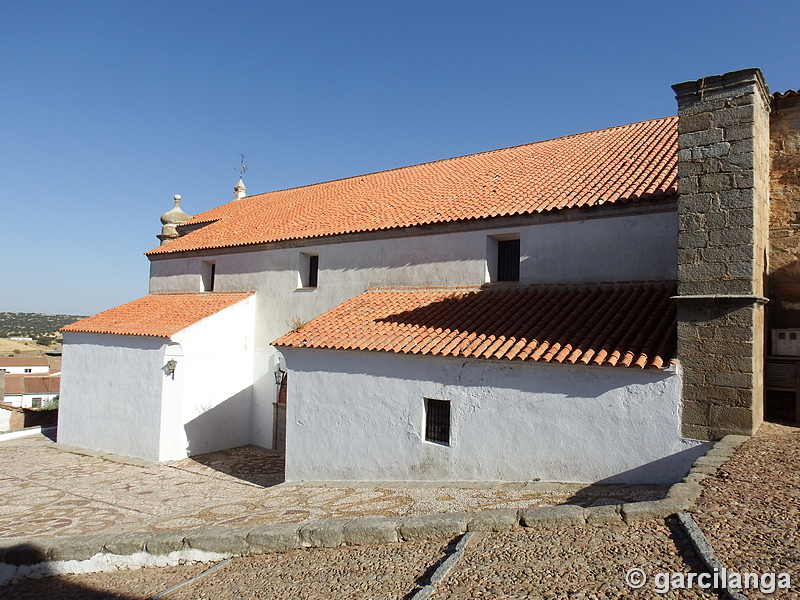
{"x":242,"y":167}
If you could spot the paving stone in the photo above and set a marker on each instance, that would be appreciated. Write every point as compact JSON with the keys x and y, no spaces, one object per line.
{"x":327,"y":533}
{"x":596,"y":515}
{"x":127,"y":543}
{"x":685,"y":491}
{"x":280,"y":537}
{"x":165,"y":542}
{"x":552,"y":516}
{"x":76,"y":547}
{"x":219,"y":539}
{"x":647,"y":511}
{"x":433,"y":527}
{"x":371,"y":531}
{"x":493,"y":520}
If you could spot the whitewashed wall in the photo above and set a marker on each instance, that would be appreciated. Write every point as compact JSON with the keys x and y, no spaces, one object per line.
{"x":591,"y":250}
{"x":208,"y":406}
{"x":360,"y":416}
{"x":111,"y":393}
{"x":116,"y":395}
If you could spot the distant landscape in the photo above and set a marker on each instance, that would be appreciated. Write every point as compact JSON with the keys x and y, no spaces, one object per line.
{"x":33,"y":325}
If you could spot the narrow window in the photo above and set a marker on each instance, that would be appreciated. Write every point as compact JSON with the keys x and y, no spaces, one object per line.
{"x":308,"y":272}
{"x":313,"y":270}
{"x":209,"y":275}
{"x":508,"y":260}
{"x":437,"y":421}
{"x":36,"y":403}
{"x":28,"y":371}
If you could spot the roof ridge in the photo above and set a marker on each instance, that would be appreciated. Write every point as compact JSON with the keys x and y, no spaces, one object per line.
{"x":460,"y":156}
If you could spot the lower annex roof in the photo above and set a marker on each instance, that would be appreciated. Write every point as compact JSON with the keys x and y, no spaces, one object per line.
{"x":621,"y":324}
{"x":158,"y":315}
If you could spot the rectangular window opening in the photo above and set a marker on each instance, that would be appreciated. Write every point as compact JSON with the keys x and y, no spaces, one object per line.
{"x":309,"y":270}
{"x":437,"y":421}
{"x":508,"y":260}
{"x":209,"y":275}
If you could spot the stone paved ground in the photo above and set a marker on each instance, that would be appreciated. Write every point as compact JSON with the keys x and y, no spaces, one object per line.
{"x":748,"y":511}
{"x":45,"y":490}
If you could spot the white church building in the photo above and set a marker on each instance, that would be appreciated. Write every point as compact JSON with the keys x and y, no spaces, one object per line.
{"x":528,"y":312}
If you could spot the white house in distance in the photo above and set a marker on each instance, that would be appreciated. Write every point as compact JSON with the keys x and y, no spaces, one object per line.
{"x":24,"y":365}
{"x":574,"y":309}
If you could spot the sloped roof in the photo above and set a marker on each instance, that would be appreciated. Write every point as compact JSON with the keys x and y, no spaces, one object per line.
{"x":627,"y":325}
{"x":32,"y":384}
{"x":158,"y":315}
{"x":612,"y":165}
{"x":23,"y":361}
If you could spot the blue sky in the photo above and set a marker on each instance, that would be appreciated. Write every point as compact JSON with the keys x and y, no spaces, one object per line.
{"x":109,"y":108}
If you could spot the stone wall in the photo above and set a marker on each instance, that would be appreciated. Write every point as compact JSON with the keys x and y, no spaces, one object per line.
{"x":723,"y":207}
{"x":784,"y":225}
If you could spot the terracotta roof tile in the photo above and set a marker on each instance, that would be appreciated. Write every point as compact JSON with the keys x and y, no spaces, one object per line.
{"x":32,"y":384}
{"x":630,"y":325}
{"x":610,"y":165}
{"x":158,"y":315}
{"x":23,"y":361}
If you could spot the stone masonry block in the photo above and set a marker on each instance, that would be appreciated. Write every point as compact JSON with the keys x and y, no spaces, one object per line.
{"x":727,"y":417}
{"x":695,"y":412}
{"x":727,"y":254}
{"x":327,"y":533}
{"x":500,"y":519}
{"x":371,"y":531}
{"x":697,"y":122}
{"x":710,"y":151}
{"x":696,"y":432}
{"x":552,"y":516}
{"x":740,"y":217}
{"x":693,"y":239}
{"x":734,"y":116}
{"x":433,"y":527}
{"x":716,"y":182}
{"x":732,"y":236}
{"x":705,"y":137}
{"x":225,"y":540}
{"x":274,"y":538}
{"x":740,"y":161}
{"x":740,"y":270}
{"x":735,"y":133}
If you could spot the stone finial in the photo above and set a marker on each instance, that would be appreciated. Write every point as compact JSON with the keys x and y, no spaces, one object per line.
{"x":239,"y":191}
{"x":170,"y":221}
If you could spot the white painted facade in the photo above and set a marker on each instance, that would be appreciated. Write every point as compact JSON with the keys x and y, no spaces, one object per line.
{"x":117,"y":395}
{"x":602,"y":246}
{"x":354,"y":415}
{"x":28,"y":400}
{"x":26,"y":369}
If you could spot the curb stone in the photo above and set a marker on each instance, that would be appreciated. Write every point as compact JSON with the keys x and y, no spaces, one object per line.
{"x":283,"y":537}
{"x":705,"y":551}
{"x":444,"y":568}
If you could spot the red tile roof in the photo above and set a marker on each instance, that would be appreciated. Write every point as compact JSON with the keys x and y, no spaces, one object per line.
{"x":619,"y":164}
{"x":158,"y":315}
{"x":32,"y":384}
{"x":613,"y":324}
{"x":23,"y":361}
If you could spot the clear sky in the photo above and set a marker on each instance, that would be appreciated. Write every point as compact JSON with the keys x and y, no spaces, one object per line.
{"x":108,"y":108}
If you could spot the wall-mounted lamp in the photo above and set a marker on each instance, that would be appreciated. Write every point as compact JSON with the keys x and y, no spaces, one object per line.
{"x":279,"y":375}
{"x":170,"y":367}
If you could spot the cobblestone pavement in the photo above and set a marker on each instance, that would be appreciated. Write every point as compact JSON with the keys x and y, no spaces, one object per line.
{"x":748,"y":511}
{"x":46,"y":490}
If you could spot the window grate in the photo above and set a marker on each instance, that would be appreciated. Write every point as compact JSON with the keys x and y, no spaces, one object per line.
{"x":437,"y":421}
{"x":508,"y":260}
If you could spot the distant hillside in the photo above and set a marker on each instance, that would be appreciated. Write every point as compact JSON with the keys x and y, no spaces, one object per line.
{"x":33,"y":325}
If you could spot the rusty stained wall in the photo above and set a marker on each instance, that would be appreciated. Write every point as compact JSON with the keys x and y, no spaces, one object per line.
{"x":783,"y":287}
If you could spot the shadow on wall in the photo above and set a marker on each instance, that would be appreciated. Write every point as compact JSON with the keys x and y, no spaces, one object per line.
{"x":223,"y":426}
{"x":37,"y":580}
{"x":669,"y":469}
